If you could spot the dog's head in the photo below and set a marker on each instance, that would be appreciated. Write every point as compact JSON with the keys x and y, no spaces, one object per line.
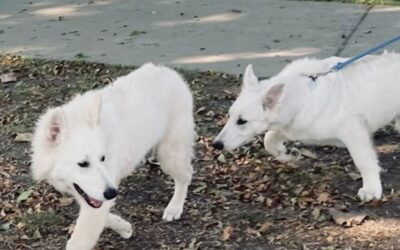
{"x":68,"y":151}
{"x":252,"y":113}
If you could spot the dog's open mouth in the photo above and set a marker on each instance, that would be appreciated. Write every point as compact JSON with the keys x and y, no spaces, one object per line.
{"x":89,"y":200}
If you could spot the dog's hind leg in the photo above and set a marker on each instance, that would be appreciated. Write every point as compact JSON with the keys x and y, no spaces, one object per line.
{"x":119,"y":225}
{"x":174,"y":153}
{"x":273,"y":144}
{"x":355,"y":135}
{"x":89,"y":225}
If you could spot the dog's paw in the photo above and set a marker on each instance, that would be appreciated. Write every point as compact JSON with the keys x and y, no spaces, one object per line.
{"x":120,"y":226}
{"x":293,"y":155}
{"x":368,"y":193}
{"x":172,"y":212}
{"x":284,"y":158}
{"x":124,"y":229}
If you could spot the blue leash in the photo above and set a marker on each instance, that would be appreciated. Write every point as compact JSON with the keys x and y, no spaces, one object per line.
{"x":341,"y":65}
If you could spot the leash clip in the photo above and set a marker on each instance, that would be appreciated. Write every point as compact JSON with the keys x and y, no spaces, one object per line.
{"x":314,"y":77}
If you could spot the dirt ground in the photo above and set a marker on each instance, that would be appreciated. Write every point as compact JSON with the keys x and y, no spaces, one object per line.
{"x":245,"y":200}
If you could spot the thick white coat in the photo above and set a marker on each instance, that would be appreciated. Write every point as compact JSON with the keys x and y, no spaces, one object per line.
{"x":341,"y":108}
{"x":149,"y":108}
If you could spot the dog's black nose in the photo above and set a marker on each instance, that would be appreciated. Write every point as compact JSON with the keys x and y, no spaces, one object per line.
{"x":218,"y":145}
{"x":110,"y":193}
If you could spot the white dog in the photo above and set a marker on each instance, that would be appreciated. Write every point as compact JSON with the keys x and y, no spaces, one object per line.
{"x":86,"y":146}
{"x":342,"y":108}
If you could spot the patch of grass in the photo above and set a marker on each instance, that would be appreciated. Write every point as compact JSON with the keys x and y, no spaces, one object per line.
{"x":43,"y":222}
{"x":135,"y":178}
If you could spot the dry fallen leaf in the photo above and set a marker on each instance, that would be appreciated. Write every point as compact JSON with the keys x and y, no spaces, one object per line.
{"x":9,"y":77}
{"x":21,"y":225}
{"x":316,"y":213}
{"x":65,"y":201}
{"x":227,"y":233}
{"x":378,"y":203}
{"x":221,"y":158}
{"x":354,"y":176}
{"x":4,"y":226}
{"x":25,"y":237}
{"x":347,"y":219}
{"x":200,"y":188}
{"x":23,"y":137}
{"x":253,"y":232}
{"x":265,"y":227}
{"x":323,"y":197}
{"x":36,"y":235}
{"x":298,"y":190}
{"x":24,"y":195}
{"x":307,"y":153}
{"x":200,"y":110}
{"x":69,"y":229}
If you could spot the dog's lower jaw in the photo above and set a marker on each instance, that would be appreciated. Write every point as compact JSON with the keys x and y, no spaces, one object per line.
{"x":90,"y":201}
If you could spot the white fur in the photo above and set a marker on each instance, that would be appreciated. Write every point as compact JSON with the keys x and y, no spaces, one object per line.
{"x":344,"y":109}
{"x":149,"y":108}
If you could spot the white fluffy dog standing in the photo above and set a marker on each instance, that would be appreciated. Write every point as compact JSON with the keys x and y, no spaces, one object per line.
{"x":342,"y":109}
{"x":88,"y":145}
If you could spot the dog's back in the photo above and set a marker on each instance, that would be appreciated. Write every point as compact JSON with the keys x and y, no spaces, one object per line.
{"x":143,"y":105}
{"x":369,"y":87}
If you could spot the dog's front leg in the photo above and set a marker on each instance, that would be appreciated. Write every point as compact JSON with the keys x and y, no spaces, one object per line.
{"x":356,"y":137}
{"x":119,"y":225}
{"x":89,"y":225}
{"x":273,"y":144}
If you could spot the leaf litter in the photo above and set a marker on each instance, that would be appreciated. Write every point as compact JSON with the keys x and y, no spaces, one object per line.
{"x":240,"y":200}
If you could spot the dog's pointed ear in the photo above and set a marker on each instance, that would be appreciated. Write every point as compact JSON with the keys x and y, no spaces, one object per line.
{"x":249,"y":78}
{"x":273,"y":96}
{"x":94,"y":116}
{"x":56,"y":126}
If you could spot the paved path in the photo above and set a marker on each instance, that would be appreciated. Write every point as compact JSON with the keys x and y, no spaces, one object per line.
{"x":223,"y":35}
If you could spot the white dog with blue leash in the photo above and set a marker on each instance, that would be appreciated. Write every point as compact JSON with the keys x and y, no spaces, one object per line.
{"x":342,"y":108}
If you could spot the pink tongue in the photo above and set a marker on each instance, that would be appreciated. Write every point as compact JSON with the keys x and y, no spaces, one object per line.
{"x":95,"y":203}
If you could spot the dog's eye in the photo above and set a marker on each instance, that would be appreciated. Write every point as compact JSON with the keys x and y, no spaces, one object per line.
{"x":103,"y":158}
{"x":83,"y":164}
{"x":241,"y":121}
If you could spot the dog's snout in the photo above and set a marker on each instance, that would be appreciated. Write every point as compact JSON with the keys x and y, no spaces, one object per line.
{"x":110,"y":193}
{"x":218,"y":145}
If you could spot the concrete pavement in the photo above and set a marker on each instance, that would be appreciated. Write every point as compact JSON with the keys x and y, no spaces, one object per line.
{"x":380,"y":24}
{"x":223,"y":35}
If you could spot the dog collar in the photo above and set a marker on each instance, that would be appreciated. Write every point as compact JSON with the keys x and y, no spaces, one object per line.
{"x":313,"y":83}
